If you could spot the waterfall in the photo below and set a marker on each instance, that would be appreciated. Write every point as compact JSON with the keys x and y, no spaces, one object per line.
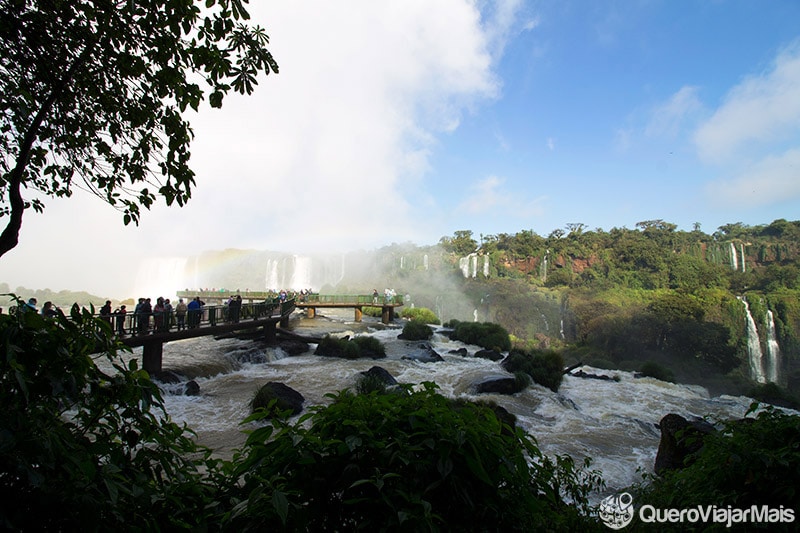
{"x":402,"y":262}
{"x":773,"y":350}
{"x":543,"y":268}
{"x":755,"y":356}
{"x":160,"y":276}
{"x":734,"y":259}
{"x":301,"y":273}
{"x":425,"y":261}
{"x":474,"y":266}
{"x":463,"y":264}
{"x":271,"y":281}
{"x":741,"y":249}
{"x":485,"y":266}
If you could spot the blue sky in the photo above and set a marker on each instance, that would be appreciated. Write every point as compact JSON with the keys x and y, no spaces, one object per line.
{"x":407,"y":121}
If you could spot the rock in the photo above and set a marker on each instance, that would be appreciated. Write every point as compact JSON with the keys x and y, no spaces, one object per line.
{"x":293,"y":347}
{"x":191,"y":388}
{"x":497,"y":384}
{"x":461,"y":351}
{"x":586,"y":375}
{"x":492,"y":355}
{"x":423,"y":353}
{"x":166,"y":376}
{"x":679,"y":439}
{"x":381,"y":374}
{"x":287,"y":399}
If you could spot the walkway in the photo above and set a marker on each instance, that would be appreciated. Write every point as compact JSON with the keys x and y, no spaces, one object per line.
{"x":152,"y":330}
{"x":312,"y":302}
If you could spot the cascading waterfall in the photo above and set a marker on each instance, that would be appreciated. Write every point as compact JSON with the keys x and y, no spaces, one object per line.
{"x":425,"y":261}
{"x":773,"y":350}
{"x":486,"y":266}
{"x":741,"y":249}
{"x":734,"y":259}
{"x":463,"y":264}
{"x":160,"y":276}
{"x":754,"y":353}
{"x":301,"y":274}
{"x":543,"y":268}
{"x":474,"y":266}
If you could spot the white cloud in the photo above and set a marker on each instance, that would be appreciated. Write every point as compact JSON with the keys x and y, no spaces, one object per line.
{"x":328,"y":154}
{"x":488,"y":195}
{"x":670,"y":117}
{"x":772,"y":180}
{"x":763,"y":108}
{"x":551,"y":144}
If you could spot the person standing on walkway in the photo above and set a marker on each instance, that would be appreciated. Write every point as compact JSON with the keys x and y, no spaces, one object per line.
{"x":180,"y":314}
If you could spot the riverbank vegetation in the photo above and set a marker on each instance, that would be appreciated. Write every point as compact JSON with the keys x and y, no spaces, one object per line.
{"x":633,"y":298}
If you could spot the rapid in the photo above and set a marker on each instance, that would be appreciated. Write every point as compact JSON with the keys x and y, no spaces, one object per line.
{"x":614,"y":422}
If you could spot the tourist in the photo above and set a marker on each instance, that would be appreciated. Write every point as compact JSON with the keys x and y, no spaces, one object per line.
{"x":195,"y":312}
{"x":105,"y":311}
{"x":30,"y":306}
{"x":49,"y":311}
{"x":158,"y":315}
{"x":120,"y":319}
{"x":180,"y":314}
{"x":168,"y":319}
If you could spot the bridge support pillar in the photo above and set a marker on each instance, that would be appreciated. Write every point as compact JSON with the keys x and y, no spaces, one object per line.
{"x":270,"y":332}
{"x":152,"y":354}
{"x":387,"y":314}
{"x":284,"y":321}
{"x":359,"y":313}
{"x":311,"y":312}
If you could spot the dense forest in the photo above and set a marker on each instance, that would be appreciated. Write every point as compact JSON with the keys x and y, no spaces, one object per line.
{"x":717,"y":309}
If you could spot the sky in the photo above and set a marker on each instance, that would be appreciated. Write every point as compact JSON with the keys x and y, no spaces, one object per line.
{"x":394,"y":122}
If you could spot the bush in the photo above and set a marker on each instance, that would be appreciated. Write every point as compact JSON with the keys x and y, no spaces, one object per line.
{"x":544,"y":367}
{"x":484,"y":334}
{"x":422,"y":314}
{"x":772,"y":393}
{"x":749,"y":462}
{"x":415,"y":462}
{"x":416,"y":330}
{"x":356,"y":348}
{"x":84,"y":450}
{"x":652,"y":369}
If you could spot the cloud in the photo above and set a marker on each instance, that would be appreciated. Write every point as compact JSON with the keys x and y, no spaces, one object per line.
{"x":489,"y":195}
{"x":762,"y":108}
{"x":772,"y":180}
{"x":669,"y":118}
{"x":326,"y":155}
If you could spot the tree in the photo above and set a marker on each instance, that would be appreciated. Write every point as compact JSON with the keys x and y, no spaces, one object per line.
{"x":94,"y":91}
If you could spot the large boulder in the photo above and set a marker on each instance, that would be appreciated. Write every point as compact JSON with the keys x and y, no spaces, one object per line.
{"x":422,"y":352}
{"x":381,"y":374}
{"x":492,"y":355}
{"x":680,"y":438}
{"x":286,"y":398}
{"x":497,"y":385}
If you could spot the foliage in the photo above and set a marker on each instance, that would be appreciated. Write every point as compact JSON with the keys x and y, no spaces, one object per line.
{"x":484,"y":334}
{"x":545,"y":367}
{"x":95,"y":92}
{"x":420,"y":313}
{"x":363,"y":346}
{"x":416,"y":330}
{"x":415,"y":462}
{"x":749,"y":462}
{"x":81,"y":449}
{"x":774,"y":394}
{"x":652,"y":369}
{"x":461,"y":243}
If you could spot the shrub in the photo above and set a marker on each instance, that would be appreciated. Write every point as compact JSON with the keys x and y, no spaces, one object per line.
{"x":544,"y":367}
{"x":363,"y":346}
{"x":414,"y":462}
{"x":749,"y":462}
{"x":416,"y":330}
{"x":422,"y":314}
{"x":84,"y":450}
{"x":484,"y":334}
{"x":652,"y":369}
{"x":772,"y":393}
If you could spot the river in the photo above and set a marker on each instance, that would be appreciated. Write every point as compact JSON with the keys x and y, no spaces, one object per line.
{"x":613,"y":422}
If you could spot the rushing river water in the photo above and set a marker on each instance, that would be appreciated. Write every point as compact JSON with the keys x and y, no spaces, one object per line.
{"x":613,"y":422}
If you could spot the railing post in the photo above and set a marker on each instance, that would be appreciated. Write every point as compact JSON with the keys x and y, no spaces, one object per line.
{"x":152,"y":354}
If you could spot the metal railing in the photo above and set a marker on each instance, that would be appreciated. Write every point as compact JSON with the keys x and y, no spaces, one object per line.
{"x":356,"y":299}
{"x":133,"y":324}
